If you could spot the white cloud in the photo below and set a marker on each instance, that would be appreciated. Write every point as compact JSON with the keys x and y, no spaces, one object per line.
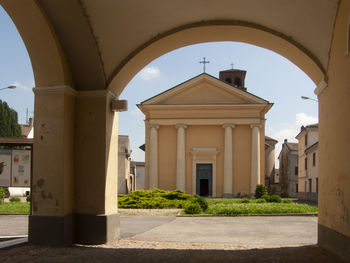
{"x":149,"y":73}
{"x":304,"y":119}
{"x":21,"y":86}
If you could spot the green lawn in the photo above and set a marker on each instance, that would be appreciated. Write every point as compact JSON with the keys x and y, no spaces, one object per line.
{"x":14,"y":208}
{"x":265,"y":208}
{"x":236,"y":207}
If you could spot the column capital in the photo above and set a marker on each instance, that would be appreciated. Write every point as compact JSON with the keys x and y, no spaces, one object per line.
{"x":156,"y":126}
{"x":62,"y":89}
{"x":225,"y":125}
{"x":180,"y":126}
{"x":253,"y":125}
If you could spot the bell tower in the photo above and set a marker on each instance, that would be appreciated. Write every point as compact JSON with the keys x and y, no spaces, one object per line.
{"x":234,"y":77}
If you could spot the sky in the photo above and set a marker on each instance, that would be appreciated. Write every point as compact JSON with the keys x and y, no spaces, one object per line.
{"x":269,"y":76}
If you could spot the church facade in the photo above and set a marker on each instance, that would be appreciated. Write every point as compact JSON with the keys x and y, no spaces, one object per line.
{"x":206,"y":136}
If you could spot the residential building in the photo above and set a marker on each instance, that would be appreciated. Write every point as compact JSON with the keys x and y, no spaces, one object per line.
{"x":308,"y":160}
{"x":126,"y":175}
{"x":288,"y":169}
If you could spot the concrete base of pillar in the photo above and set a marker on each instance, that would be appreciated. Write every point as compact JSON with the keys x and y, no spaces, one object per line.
{"x":334,"y":241}
{"x":227,"y":195}
{"x":51,"y":230}
{"x":97,"y":229}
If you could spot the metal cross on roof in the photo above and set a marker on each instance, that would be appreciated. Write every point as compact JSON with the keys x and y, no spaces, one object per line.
{"x":231,"y":65}
{"x":204,"y":62}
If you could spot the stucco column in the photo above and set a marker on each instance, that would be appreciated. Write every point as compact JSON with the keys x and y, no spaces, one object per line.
{"x":181,"y":160}
{"x":96,"y":168}
{"x":255,"y":159}
{"x":52,"y":187}
{"x":228,"y":167}
{"x":153,"y":158}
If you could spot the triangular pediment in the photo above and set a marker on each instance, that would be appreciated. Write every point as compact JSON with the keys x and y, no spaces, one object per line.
{"x":204,"y":90}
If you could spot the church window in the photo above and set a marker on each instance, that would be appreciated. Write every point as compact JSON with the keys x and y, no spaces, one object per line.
{"x":237,"y":82}
{"x":228,"y":80}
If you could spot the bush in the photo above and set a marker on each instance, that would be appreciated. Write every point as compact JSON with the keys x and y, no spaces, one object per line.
{"x":201,"y":201}
{"x":287,"y":201}
{"x":192,"y":208}
{"x":260,"y":191}
{"x":266,"y":197}
{"x":245,"y":200}
{"x":15,"y":199}
{"x":275,"y":199}
{"x":2,"y":194}
{"x":260,"y":200}
{"x":28,"y":198}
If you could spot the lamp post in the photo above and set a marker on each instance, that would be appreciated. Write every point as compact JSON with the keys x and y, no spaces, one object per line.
{"x":9,"y":87}
{"x":307,"y":98}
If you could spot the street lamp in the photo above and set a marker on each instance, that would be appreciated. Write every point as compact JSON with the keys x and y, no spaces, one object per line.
{"x":9,"y":87}
{"x":307,"y":98}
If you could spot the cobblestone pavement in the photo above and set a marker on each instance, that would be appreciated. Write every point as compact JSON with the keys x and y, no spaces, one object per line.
{"x":142,"y":251}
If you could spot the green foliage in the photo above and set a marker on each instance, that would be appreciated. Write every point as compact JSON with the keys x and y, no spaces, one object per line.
{"x":2,"y":194}
{"x":245,"y":200}
{"x":260,"y":208}
{"x":192,"y":208}
{"x":275,"y":199}
{"x":151,"y":199}
{"x":28,"y":198}
{"x":9,"y":126}
{"x":15,"y":199}
{"x":201,"y":201}
{"x":15,"y":208}
{"x":287,"y":201}
{"x":260,"y":200}
{"x":260,"y":191}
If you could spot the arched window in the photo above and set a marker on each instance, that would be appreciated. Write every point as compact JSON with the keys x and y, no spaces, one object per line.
{"x":228,"y":80}
{"x":237,"y":82}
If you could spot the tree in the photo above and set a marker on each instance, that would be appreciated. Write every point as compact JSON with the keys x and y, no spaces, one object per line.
{"x":9,"y":126}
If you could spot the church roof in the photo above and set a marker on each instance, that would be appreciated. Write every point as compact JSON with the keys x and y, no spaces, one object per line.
{"x":251,"y":98}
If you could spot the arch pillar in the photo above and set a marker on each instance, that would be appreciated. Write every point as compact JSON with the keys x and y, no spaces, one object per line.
{"x":74,"y":184}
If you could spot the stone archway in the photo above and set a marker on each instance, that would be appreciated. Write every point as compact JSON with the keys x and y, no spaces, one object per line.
{"x":66,"y":111}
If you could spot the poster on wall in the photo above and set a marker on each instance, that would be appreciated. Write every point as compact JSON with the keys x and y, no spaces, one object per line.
{"x":5,"y":167}
{"x":21,"y":168}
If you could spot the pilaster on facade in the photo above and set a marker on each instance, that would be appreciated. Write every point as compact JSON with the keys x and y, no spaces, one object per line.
{"x":153,"y":158}
{"x":181,"y":157}
{"x":255,"y":160}
{"x":228,"y":160}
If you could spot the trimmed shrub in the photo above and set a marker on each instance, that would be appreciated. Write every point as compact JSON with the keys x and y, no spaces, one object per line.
{"x":260,"y":200}
{"x":192,"y":208}
{"x":15,"y":199}
{"x":2,"y":194}
{"x":201,"y":201}
{"x":287,"y":201}
{"x":260,"y":191}
{"x":266,"y":197}
{"x":275,"y":199}
{"x":245,"y":200}
{"x":28,"y":198}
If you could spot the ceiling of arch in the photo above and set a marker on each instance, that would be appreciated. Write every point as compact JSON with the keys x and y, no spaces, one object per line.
{"x":97,"y":36}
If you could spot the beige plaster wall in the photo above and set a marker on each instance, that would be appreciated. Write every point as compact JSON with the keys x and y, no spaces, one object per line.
{"x":53,"y":183}
{"x":242,"y":150}
{"x":167,"y":157}
{"x":334,"y":130}
{"x":205,"y":136}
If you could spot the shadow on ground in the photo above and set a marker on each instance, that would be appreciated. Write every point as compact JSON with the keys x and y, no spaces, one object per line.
{"x":106,"y":255}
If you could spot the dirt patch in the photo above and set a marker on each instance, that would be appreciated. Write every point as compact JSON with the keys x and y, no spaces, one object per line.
{"x":148,"y":212}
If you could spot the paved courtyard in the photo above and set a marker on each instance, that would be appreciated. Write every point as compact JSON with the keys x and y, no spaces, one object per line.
{"x":186,"y":239}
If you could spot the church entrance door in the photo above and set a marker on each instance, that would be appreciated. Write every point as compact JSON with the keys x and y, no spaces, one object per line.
{"x":204,"y":174}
